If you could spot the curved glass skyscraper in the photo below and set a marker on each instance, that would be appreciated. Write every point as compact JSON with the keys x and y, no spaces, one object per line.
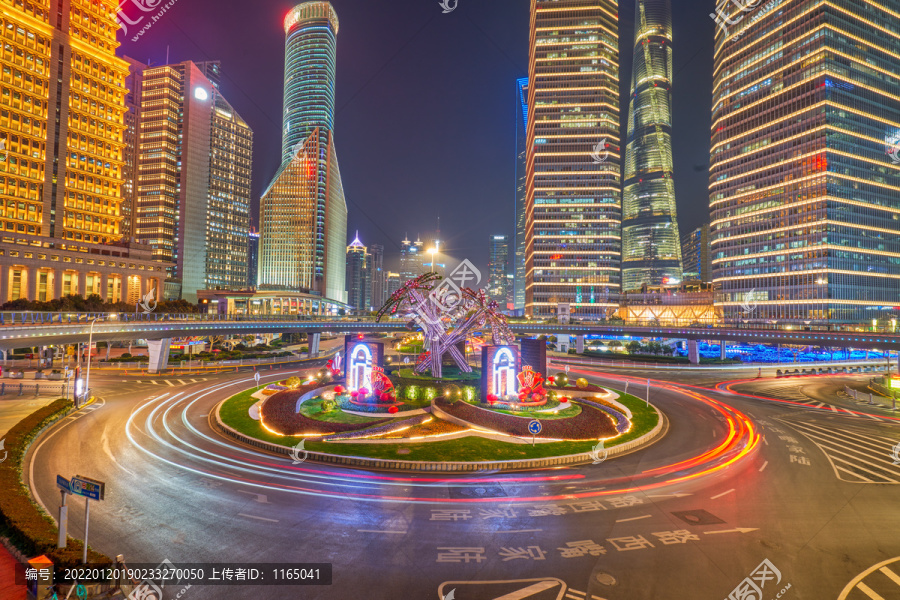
{"x":303,"y":213}
{"x":309,"y":71}
{"x":651,"y":252}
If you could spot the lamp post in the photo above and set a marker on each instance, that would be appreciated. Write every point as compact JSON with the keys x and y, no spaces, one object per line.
{"x":87,"y":379}
{"x":433,"y":252}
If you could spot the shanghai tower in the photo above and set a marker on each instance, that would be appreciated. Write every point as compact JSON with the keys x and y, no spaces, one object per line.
{"x":651,"y":252}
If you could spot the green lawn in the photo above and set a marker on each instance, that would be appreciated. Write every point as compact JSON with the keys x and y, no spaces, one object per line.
{"x":565,"y":413}
{"x":313,"y":410}
{"x":234,"y":413}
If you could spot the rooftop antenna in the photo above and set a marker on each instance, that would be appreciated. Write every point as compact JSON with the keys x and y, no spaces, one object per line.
{"x":167,"y":54}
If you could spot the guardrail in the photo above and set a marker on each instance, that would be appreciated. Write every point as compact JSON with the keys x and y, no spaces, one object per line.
{"x":48,"y":318}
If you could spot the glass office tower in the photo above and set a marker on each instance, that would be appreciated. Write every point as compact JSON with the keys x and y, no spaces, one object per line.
{"x":574,"y":211}
{"x":521,"y":192}
{"x":303,"y":212}
{"x":651,"y":248}
{"x":804,"y":193}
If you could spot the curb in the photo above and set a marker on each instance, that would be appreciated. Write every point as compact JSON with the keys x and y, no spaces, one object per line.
{"x":647,"y":439}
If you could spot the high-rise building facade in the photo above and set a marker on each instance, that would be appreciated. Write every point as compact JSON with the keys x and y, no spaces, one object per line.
{"x":193,"y":181}
{"x":498,"y":268}
{"x":303,"y":212}
{"x":392,"y":283}
{"x":521,"y":192}
{"x":695,"y":255}
{"x":573,"y":230}
{"x":804,"y":194}
{"x":412,"y":254}
{"x":252,"y":258}
{"x":359,"y":271}
{"x":63,"y":130}
{"x":651,"y":250}
{"x":377,"y":275}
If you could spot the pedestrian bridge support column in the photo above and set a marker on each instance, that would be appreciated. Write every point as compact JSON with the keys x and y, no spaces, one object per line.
{"x":314,"y":339}
{"x":562,"y":342}
{"x":723,"y":350}
{"x":579,"y":344}
{"x":694,"y":352}
{"x":159,"y":354}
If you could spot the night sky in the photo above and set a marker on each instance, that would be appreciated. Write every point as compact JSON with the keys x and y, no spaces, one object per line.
{"x":425,"y":123}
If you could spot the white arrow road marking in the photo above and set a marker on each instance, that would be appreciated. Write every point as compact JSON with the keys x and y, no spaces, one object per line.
{"x":722,"y":494}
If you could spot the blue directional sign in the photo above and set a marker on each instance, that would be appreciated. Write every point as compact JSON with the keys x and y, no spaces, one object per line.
{"x":534,"y":427}
{"x":87,"y":487}
{"x":63,"y":484}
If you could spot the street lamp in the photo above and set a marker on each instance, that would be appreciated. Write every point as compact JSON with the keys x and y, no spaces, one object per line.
{"x":432,"y":252}
{"x":87,"y":379}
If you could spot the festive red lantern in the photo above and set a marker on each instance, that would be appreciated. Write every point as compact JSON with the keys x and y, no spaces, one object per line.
{"x":338,"y":389}
{"x":563,"y":399}
{"x":536,"y":397}
{"x":393,"y":409}
{"x":363,"y":392}
{"x":354,"y":394}
{"x":551,"y":379}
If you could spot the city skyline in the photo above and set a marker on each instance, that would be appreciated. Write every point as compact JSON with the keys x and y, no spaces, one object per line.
{"x":501,"y":49}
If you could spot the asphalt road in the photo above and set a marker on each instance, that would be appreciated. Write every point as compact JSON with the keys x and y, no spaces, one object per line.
{"x":817,"y":497}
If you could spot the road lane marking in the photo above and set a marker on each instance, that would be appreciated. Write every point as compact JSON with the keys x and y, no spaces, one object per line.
{"x":893,"y":576}
{"x":379,"y":531}
{"x":170,"y":383}
{"x":531,"y":590}
{"x":259,"y":518}
{"x":869,"y":592}
{"x":765,"y":464}
{"x":517,"y":530}
{"x":633,"y":519}
{"x":722,"y":494}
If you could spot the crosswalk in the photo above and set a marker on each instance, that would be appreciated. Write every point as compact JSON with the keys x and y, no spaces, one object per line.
{"x":881,"y":582}
{"x":165,"y":382}
{"x":855,"y":457}
{"x":795,"y":394}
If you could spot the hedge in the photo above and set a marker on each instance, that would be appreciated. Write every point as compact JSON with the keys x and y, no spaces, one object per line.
{"x":27,"y":526}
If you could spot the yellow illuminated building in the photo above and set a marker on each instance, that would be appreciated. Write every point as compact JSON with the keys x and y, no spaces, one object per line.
{"x":62,"y":109}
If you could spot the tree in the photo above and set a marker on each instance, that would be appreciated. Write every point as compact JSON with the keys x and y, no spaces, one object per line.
{"x":634,"y":347}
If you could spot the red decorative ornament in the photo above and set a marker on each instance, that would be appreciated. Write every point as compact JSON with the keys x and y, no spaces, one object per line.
{"x":363,"y":392}
{"x":393,"y":410}
{"x":354,"y":394}
{"x":563,"y":399}
{"x":338,"y":389}
{"x":536,"y":397}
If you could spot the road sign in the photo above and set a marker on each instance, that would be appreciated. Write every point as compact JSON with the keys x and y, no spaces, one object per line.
{"x":534,"y":427}
{"x":87,"y":487}
{"x":256,"y":376}
{"x":63,"y":484}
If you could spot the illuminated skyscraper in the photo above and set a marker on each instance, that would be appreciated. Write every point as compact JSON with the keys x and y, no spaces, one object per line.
{"x":498,"y":266}
{"x":63,"y":136}
{"x":805,"y":179}
{"x":411,"y":256}
{"x":651,"y":250}
{"x":359,"y":276}
{"x":573,"y":228}
{"x":303,"y":213}
{"x":192,"y":202}
{"x":521,"y":192}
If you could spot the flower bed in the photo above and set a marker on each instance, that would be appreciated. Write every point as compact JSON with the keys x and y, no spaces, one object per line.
{"x":434,"y":427}
{"x":622,"y":422}
{"x":590,"y":424}
{"x":278,"y":413}
{"x":392,"y":425}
